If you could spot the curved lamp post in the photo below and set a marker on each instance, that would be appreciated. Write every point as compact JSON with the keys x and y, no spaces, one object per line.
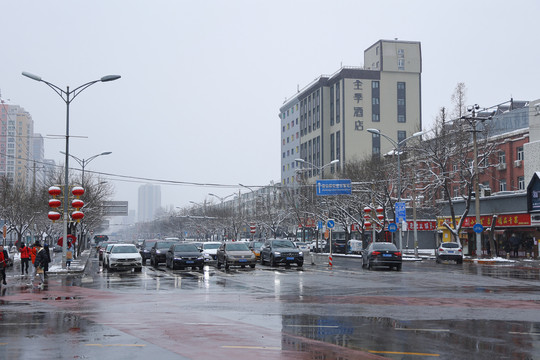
{"x":68,"y":96}
{"x":397,"y":148}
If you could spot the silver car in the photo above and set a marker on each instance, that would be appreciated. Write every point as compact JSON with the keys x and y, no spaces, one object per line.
{"x":449,"y":251}
{"x":235,"y":254}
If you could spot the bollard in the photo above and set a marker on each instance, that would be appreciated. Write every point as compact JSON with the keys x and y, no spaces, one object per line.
{"x":312,"y":259}
{"x":329,"y":260}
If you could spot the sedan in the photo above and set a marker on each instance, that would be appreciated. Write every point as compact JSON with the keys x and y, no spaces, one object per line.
{"x":145,"y":248}
{"x":209,"y":250}
{"x":235,"y":254}
{"x":281,"y":251}
{"x":449,"y":251}
{"x":382,"y":254}
{"x":184,"y":255}
{"x":123,"y":257}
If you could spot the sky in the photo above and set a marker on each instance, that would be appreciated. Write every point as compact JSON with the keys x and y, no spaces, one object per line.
{"x":202,"y":81}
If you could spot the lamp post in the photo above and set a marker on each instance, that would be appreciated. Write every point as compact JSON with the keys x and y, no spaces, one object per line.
{"x":68,"y":96}
{"x":397,"y":148}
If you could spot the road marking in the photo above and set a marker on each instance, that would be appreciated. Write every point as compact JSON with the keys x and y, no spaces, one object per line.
{"x":401,"y":353}
{"x":523,"y":333}
{"x":250,"y":347}
{"x":103,"y":345}
{"x":430,"y":330}
{"x":315,"y":326}
{"x":19,"y":324}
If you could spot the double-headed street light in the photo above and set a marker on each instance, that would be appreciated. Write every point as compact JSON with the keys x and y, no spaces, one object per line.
{"x":68,"y":96}
{"x":320,"y":168}
{"x":84,"y":162}
{"x":397,"y":148}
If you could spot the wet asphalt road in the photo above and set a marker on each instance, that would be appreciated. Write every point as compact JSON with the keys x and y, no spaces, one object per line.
{"x":426,"y":311}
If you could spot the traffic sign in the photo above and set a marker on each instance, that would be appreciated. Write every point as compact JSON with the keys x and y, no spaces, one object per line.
{"x":333,"y":187}
{"x":392,"y":227}
{"x":478,"y":228}
{"x":319,"y":225}
{"x":330,"y":224}
{"x":401,"y":212}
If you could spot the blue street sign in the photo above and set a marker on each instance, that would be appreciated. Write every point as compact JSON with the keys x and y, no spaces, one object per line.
{"x":319,"y":225}
{"x":401,"y":212}
{"x":330,"y":224}
{"x":478,"y":228}
{"x":333,"y":187}
{"x":392,"y":227}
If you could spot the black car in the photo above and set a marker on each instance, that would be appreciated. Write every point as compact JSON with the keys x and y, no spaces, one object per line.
{"x":158,"y":252}
{"x":144,"y":250}
{"x":281,"y":251}
{"x":184,"y":255}
{"x":339,"y":246}
{"x":382,"y":254}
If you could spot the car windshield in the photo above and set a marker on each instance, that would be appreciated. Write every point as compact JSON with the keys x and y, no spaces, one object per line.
{"x":384,"y":246}
{"x":185,"y":248}
{"x":257,"y":245}
{"x":210,"y":246}
{"x":283,"y":244}
{"x":237,"y":246}
{"x":149,"y":244}
{"x":164,"y":245}
{"x":127,"y":249}
{"x":450,"y":245}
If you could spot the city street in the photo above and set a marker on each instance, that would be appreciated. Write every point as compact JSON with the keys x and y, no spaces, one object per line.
{"x":425,"y":311}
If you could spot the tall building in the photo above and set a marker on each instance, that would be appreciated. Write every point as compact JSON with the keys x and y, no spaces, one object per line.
{"x":332,"y":114}
{"x":16,"y":146}
{"x":149,"y":202}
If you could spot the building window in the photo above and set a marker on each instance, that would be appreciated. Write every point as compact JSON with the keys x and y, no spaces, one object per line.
{"x":502,"y":157}
{"x":338,"y":145}
{"x":520,"y":155}
{"x":401,"y":118}
{"x":375,"y":118}
{"x":502,"y":185}
{"x":401,"y":135}
{"x":401,"y":102}
{"x":521,"y":182}
{"x":375,"y":101}
{"x":375,"y":145}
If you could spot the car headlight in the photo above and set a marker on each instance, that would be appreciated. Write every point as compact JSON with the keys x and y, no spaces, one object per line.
{"x":301,"y":253}
{"x":277,"y":253}
{"x":200,"y":258}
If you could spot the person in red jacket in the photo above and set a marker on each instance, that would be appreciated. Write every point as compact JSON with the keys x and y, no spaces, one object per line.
{"x":3,"y":264}
{"x":25,"y":258}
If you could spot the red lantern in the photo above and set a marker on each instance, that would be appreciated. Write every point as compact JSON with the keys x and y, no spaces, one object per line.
{"x":367,"y":217}
{"x":77,"y":215}
{"x":54,"y":203}
{"x":380,"y":216}
{"x":77,"y":191}
{"x":77,"y":204}
{"x":367,"y":209}
{"x":367,"y":224}
{"x":380,"y":209}
{"x":55,"y":191}
{"x":53,"y":215}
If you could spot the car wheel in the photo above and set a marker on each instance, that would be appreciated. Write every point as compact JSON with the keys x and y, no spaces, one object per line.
{"x":226,"y":264}
{"x":138,"y":269}
{"x":272,"y":261}
{"x":398,"y":267}
{"x":218,"y":265}
{"x":252,"y":266}
{"x":201,"y":267}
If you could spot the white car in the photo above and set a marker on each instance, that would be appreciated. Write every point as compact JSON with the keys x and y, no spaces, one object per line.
{"x":123,"y":257}
{"x":304,"y":246}
{"x":209,"y":250}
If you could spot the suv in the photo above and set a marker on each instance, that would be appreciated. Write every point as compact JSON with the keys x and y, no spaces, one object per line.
{"x":449,"y":251}
{"x":281,"y":251}
{"x":158,"y":252}
{"x":235,"y":254}
{"x":124,"y":256}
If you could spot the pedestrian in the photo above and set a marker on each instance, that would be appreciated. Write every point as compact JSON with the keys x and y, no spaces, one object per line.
{"x":514,"y":242}
{"x":25,"y":258}
{"x":33,"y":252}
{"x":48,"y":257}
{"x":4,"y":257}
{"x":69,"y":256}
{"x":40,"y":262}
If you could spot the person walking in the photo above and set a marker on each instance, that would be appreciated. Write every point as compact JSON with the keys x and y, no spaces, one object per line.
{"x":40,"y":262}
{"x":4,"y":257}
{"x":48,"y":258}
{"x":25,"y":258}
{"x":69,"y":255}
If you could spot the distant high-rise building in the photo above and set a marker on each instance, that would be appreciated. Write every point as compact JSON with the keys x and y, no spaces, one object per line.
{"x":329,"y":118}
{"x":149,"y":201}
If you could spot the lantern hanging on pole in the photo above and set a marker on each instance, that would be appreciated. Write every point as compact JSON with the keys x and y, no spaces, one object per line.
{"x":77,"y":204}
{"x":54,"y":203}
{"x":53,"y":215}
{"x":367,"y":209}
{"x":77,"y":191}
{"x":77,"y":215}
{"x":55,"y":191}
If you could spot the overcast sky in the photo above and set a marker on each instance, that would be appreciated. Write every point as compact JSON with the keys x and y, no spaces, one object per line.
{"x":202,"y":81}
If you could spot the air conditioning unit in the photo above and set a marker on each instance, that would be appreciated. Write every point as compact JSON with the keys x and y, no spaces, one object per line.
{"x":501,"y":166}
{"x":518,"y":163}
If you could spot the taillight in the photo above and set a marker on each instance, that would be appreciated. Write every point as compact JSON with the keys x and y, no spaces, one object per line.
{"x":397,"y":253}
{"x":376,"y":253}
{"x":441,"y":249}
{"x":460,"y":250}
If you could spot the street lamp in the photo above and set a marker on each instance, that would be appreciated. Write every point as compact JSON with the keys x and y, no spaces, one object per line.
{"x":320,"y":168}
{"x":84,"y":162}
{"x":222,"y":199}
{"x":68,"y":96}
{"x":397,"y":148}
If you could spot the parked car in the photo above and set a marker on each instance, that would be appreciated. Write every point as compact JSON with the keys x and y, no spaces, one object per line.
{"x":144,"y":250}
{"x":304,"y":246}
{"x":382,"y":254}
{"x":235,"y":254}
{"x":339,"y":246}
{"x":354,"y":247}
{"x":321,"y":245}
{"x":255,"y":246}
{"x":182,"y":255}
{"x":101,"y":249}
{"x":123,"y":257}
{"x":209,"y":250}
{"x":158,"y":252}
{"x":281,"y":251}
{"x":449,"y":251}
{"x":106,"y":254}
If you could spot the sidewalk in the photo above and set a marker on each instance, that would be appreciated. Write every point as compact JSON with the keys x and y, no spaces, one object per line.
{"x":55,"y":267}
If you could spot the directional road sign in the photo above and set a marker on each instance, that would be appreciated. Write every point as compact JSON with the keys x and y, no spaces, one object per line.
{"x":333,"y":187}
{"x":330,"y":224}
